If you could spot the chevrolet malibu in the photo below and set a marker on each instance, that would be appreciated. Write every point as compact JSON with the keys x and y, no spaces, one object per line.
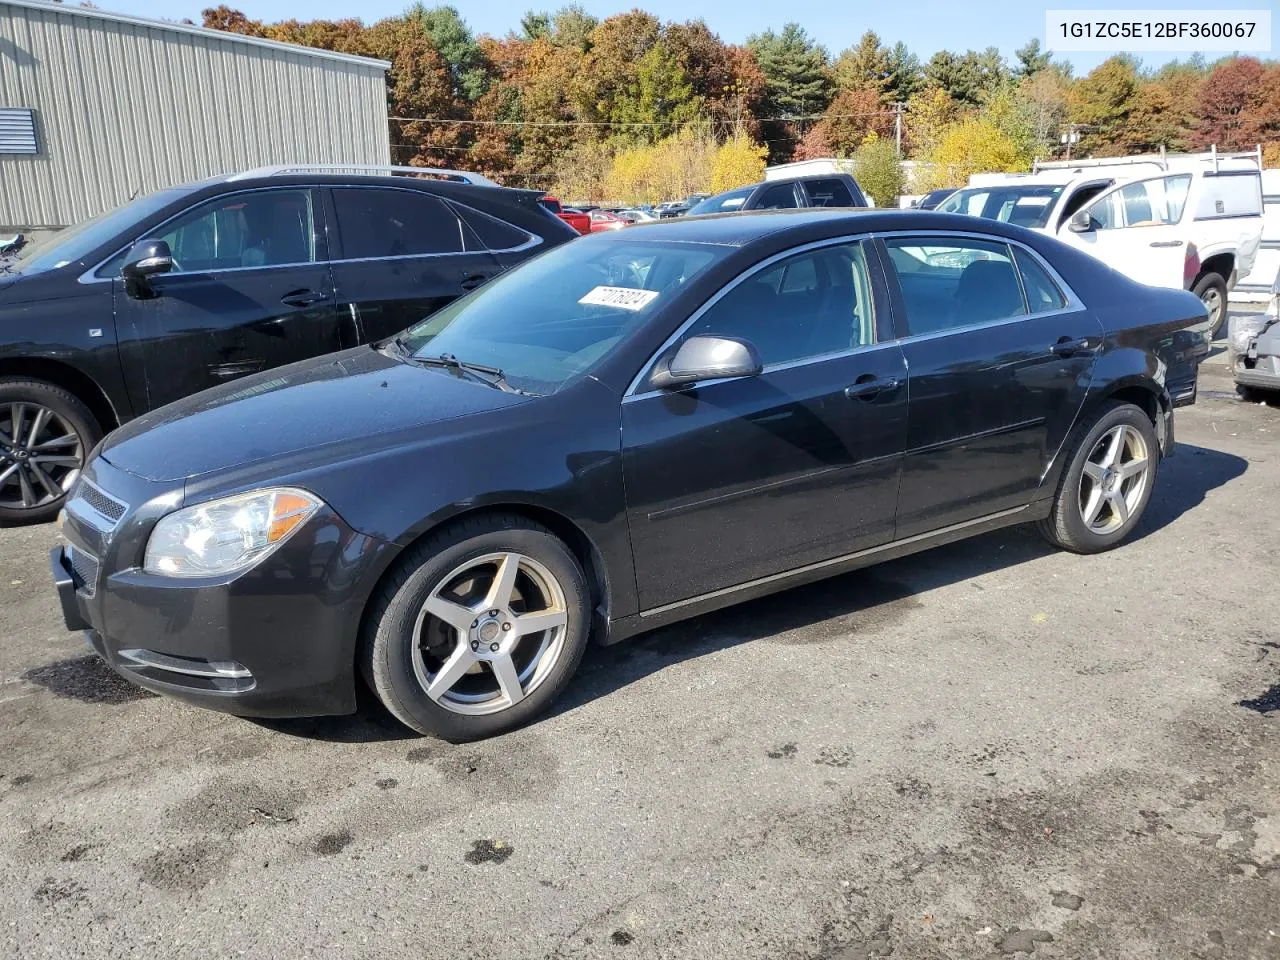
{"x":630,"y":429}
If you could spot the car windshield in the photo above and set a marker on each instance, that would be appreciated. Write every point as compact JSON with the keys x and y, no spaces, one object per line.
{"x":557,"y":315}
{"x":76,"y":243}
{"x":723,"y":202}
{"x":1026,"y":206}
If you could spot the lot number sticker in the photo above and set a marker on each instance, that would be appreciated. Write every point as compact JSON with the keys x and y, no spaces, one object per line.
{"x":624,"y":298}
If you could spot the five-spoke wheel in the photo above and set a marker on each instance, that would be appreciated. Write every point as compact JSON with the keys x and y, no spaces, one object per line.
{"x":1107,"y":481}
{"x":478,"y":629}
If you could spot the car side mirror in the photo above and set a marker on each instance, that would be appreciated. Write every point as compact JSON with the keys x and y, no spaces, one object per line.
{"x":707,"y":358}
{"x":1081,"y":222}
{"x":147,"y":259}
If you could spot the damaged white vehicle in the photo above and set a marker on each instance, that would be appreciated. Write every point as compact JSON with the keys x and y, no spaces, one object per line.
{"x":1253,"y":345}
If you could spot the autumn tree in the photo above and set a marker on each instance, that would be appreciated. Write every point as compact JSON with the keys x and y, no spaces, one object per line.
{"x":1239,"y":105}
{"x":1102,"y":102}
{"x":968,"y":147}
{"x":929,"y":113}
{"x":844,"y":126}
{"x":737,"y":162}
{"x":867,"y":65}
{"x":879,"y":173}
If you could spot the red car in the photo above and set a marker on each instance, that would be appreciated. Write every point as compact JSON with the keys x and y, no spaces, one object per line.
{"x":574,"y":218}
{"x":604,"y":220}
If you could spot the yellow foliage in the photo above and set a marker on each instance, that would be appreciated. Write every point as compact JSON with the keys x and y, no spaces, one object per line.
{"x":737,"y":163}
{"x":1271,"y":156}
{"x":968,"y":147}
{"x":670,"y":169}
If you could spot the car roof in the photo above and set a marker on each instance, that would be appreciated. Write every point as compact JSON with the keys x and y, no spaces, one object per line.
{"x":740,"y":229}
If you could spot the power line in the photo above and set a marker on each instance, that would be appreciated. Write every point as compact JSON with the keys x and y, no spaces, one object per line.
{"x":635,"y":123}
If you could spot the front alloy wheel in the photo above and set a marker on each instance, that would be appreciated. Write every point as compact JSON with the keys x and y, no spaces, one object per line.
{"x":478,"y":628}
{"x":489,"y":634}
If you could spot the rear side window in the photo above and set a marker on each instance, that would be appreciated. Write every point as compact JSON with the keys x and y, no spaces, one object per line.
{"x":947,"y":283}
{"x":1230,"y":195}
{"x":781,"y":196}
{"x":830,"y":192}
{"x":1042,"y":293}
{"x":394,"y":223}
{"x":492,"y":233}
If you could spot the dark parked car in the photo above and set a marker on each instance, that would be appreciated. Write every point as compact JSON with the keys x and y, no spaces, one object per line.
{"x":631,"y":429}
{"x":196,"y":285}
{"x":679,"y":208}
{"x":934,"y":197}
{"x":824,"y":190}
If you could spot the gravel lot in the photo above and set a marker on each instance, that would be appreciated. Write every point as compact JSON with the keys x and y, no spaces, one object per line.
{"x":991,"y":749}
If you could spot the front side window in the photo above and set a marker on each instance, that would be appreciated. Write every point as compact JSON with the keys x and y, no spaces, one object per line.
{"x":782,"y":196}
{"x":808,"y":305}
{"x":266,"y":228}
{"x":557,"y":315}
{"x":948,"y":283}
{"x":1147,"y":203}
{"x":375,"y":223}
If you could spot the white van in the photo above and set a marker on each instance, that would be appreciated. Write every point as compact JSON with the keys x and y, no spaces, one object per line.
{"x":1192,"y":222}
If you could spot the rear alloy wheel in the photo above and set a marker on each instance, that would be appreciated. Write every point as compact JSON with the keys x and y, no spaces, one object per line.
{"x":1212,"y":291}
{"x":483,"y":627}
{"x":1107,"y":482}
{"x":45,"y":435}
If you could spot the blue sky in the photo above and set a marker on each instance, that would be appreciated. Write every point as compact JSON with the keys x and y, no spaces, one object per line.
{"x":924,"y":25}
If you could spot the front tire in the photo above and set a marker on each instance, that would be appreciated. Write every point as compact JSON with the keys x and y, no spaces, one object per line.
{"x":46,"y":433}
{"x":478,"y":630}
{"x":1212,"y":291}
{"x":1111,"y":470}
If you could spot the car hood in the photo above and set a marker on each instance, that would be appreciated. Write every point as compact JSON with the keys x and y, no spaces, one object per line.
{"x":328,"y":401}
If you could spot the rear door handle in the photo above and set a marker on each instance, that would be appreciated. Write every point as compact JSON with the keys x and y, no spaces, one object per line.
{"x":1067,"y":347}
{"x":869,"y":386}
{"x":473,"y":281}
{"x":302,"y":298}
{"x":1166,"y":243}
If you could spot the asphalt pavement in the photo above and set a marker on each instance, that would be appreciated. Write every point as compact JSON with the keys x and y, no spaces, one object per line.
{"x":990,"y":749}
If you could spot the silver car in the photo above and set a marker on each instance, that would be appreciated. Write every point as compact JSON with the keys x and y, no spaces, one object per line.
{"x":1253,"y":344}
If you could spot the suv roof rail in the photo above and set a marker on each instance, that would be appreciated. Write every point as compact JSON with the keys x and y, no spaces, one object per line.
{"x":284,"y":169}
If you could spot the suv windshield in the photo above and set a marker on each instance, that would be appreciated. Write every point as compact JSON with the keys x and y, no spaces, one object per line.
{"x":1026,"y":206}
{"x":555,"y":316}
{"x":76,"y":243}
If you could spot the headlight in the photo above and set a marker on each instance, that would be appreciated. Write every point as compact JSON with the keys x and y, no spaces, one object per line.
{"x":223,"y":536}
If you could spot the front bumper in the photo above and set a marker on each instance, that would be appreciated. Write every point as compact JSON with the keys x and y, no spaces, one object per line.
{"x":277,"y":640}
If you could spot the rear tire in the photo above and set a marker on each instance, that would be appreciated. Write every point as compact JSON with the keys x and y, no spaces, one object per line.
{"x":1211,"y":288}
{"x":57,"y":431}
{"x":1104,"y":488}
{"x":478,"y":630}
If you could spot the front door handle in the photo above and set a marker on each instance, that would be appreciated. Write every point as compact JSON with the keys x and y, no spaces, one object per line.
{"x":302,"y":298}
{"x":1166,"y":243}
{"x":869,"y":386}
{"x":473,"y":281}
{"x":1067,"y":347}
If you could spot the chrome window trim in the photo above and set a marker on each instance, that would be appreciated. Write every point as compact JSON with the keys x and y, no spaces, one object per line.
{"x":1074,"y":303}
{"x":636,"y":381}
{"x":89,"y":276}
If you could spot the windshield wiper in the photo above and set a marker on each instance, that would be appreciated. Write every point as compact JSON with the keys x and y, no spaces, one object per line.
{"x":493,"y":376}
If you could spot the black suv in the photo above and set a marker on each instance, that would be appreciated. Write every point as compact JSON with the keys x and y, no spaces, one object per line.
{"x":817,"y":190}
{"x":196,"y":285}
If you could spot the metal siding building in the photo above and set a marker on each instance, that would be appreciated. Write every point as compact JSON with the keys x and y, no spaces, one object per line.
{"x":123,"y":106}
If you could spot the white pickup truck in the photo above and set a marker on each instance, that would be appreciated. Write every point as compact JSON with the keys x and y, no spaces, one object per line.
{"x":1190,"y":221}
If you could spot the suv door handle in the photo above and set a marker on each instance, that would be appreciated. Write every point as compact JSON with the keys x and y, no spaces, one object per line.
{"x":473,"y":281}
{"x":1166,"y":243}
{"x":869,"y":386}
{"x":302,"y":298}
{"x":1066,"y":347}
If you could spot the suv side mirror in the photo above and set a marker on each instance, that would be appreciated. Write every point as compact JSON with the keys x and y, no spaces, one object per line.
{"x":707,"y":358}
{"x":147,"y":259}
{"x":1081,"y":222}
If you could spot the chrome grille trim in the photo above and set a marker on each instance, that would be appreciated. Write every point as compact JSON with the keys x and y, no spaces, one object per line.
{"x":85,"y":566}
{"x":96,"y":507}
